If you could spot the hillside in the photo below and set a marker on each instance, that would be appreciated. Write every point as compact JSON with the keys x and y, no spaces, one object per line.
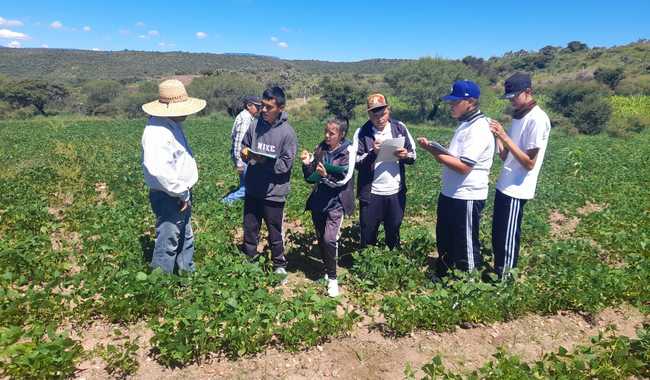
{"x":74,"y":65}
{"x":550,"y":64}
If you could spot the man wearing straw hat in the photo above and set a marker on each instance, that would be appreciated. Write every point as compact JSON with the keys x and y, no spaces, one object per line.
{"x":170,"y":172}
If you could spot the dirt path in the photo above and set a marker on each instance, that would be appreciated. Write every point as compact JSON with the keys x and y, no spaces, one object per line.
{"x":366,"y":354}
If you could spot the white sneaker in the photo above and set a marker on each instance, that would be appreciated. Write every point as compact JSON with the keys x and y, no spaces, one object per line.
{"x":326,"y":277}
{"x":332,"y":288}
{"x":282,"y":272}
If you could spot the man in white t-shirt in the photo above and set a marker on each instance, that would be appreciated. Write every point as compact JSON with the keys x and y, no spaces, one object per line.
{"x":466,"y":167}
{"x":522,"y":149}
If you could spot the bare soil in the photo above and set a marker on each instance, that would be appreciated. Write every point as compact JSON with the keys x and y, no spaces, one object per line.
{"x":367,"y":354}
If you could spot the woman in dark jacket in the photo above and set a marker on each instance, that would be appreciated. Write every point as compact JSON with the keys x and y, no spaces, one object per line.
{"x":330,"y":169}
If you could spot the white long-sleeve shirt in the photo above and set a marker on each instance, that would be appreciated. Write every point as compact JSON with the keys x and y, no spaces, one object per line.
{"x":167,"y":160}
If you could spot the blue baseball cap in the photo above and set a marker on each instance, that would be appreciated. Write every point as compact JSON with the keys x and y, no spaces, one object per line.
{"x":463,"y":89}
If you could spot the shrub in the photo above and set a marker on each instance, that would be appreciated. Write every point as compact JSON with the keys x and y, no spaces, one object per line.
{"x":609,"y":77}
{"x":591,"y":115}
{"x":625,"y":126}
{"x":584,"y":104}
{"x":634,"y":86}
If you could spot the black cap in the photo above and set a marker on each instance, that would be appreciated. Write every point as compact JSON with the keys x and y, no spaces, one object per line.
{"x":516,"y":84}
{"x":253,"y":99}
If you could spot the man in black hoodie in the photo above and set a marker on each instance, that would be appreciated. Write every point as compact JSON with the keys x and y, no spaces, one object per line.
{"x":269,"y":148}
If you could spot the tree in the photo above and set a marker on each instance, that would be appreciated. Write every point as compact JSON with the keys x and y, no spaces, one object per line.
{"x":33,"y":92}
{"x":424,"y":81}
{"x":341,"y":95}
{"x":574,"y":46}
{"x":224,"y":92}
{"x":100,"y":93}
{"x":609,"y":77}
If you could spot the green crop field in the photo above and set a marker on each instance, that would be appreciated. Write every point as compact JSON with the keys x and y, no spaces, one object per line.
{"x":76,"y":231}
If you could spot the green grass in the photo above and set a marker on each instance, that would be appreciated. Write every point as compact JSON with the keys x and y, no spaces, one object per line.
{"x":48,"y":190}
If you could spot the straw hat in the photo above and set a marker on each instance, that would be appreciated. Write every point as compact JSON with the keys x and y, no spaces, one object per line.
{"x":173,"y":101}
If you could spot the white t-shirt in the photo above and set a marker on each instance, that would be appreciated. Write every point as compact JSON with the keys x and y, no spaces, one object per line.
{"x":472,"y":143}
{"x":387,"y":177}
{"x":529,"y":132}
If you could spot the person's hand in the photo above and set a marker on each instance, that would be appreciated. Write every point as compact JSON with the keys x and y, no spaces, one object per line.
{"x":401,"y":153}
{"x":245,"y":153}
{"x":424,"y":142}
{"x":304,"y":156}
{"x":497,"y":129}
{"x":376,"y":146}
{"x":320,"y":168}
{"x":184,"y":205}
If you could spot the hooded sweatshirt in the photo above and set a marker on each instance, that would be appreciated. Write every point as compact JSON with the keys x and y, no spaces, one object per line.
{"x":335,"y":190}
{"x":269,"y":179}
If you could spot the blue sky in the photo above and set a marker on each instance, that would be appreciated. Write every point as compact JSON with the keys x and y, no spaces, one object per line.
{"x":325,"y":30}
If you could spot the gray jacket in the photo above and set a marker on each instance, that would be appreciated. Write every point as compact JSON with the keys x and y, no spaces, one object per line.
{"x":269,"y":180}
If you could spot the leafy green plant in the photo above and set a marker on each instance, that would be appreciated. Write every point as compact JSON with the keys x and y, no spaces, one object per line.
{"x":121,"y":360}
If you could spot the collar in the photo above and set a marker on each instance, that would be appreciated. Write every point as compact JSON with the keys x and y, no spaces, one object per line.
{"x":386,"y":127}
{"x":471,"y":116}
{"x":523,"y":111}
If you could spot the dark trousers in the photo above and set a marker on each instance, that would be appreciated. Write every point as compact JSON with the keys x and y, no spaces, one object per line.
{"x":457,"y":234}
{"x":506,"y":231}
{"x":328,"y":227}
{"x":388,"y":209}
{"x":272,"y":212}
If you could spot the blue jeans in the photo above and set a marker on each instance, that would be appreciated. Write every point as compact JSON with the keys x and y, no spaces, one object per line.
{"x":174,"y":247}
{"x":239,"y":193}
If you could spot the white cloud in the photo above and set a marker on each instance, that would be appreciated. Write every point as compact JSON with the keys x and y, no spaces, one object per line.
{"x":285,"y":29}
{"x":153,"y":33}
{"x":96,"y":49}
{"x":274,"y":39}
{"x":140,"y":24}
{"x":283,"y":45}
{"x":87,"y":28}
{"x":14,"y":44}
{"x":5,"y":22}
{"x":142,"y":36}
{"x":201,"y":35}
{"x":166,"y":44}
{"x":11,"y":35}
{"x":56,"y":25}
{"x":45,"y":46}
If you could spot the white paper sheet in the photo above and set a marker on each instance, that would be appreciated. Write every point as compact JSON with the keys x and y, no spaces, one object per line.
{"x":388,"y":148}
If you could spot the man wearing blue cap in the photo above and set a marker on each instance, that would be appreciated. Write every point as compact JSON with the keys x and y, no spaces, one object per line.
{"x":246,"y":118}
{"x":522,"y":151}
{"x":466,"y":166}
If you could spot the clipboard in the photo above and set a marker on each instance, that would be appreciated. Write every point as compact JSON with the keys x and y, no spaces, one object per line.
{"x":437,"y":146}
{"x":262,"y":154}
{"x":331,"y":169}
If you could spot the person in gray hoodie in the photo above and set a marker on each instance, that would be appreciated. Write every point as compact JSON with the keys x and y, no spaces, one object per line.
{"x":268,"y":148}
